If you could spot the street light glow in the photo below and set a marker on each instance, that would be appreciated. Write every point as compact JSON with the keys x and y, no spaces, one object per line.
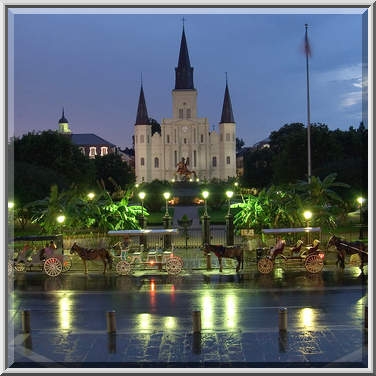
{"x":166,"y":195}
{"x":205,"y":194}
{"x":60,"y":218}
{"x":90,"y":195}
{"x":10,"y":204}
{"x":307,"y":214}
{"x":141,"y":195}
{"x":229,"y":194}
{"x":360,"y":200}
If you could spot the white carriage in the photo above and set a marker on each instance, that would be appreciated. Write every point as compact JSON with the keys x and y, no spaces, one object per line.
{"x":30,"y":252}
{"x":130,"y":258}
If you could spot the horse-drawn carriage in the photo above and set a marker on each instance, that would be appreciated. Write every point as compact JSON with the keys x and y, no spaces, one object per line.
{"x":131,"y":257}
{"x":44,"y":252}
{"x":311,"y":257}
{"x":357,"y":252}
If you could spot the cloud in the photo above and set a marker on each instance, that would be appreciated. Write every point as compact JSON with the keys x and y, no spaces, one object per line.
{"x":351,"y":99}
{"x":350,"y":78}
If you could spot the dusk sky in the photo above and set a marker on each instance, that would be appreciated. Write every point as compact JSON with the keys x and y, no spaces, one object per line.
{"x":90,"y":62}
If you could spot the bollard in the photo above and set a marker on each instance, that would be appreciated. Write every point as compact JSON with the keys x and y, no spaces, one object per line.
{"x":196,"y":316}
{"x":282,"y":341}
{"x":196,"y":343}
{"x":208,"y":262}
{"x":366,"y":317}
{"x":112,"y":343}
{"x":283,"y":318}
{"x":111,"y":322}
{"x":26,"y":321}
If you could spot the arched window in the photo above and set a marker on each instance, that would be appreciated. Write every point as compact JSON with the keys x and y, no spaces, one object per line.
{"x":188,"y":113}
{"x":142,"y":162}
{"x":214,"y":162}
{"x":142,"y":139}
{"x":92,"y":152}
{"x":180,"y":113}
{"x":228,"y":160}
{"x":168,"y":139}
{"x":104,"y":150}
{"x":202,"y":138}
{"x":156,"y":162}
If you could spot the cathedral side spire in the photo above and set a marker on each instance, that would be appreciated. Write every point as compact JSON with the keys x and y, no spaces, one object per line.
{"x":227,"y":114}
{"x":142,"y":117}
{"x":184,"y":71}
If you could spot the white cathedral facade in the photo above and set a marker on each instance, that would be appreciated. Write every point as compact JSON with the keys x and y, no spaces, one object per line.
{"x":185,"y":148}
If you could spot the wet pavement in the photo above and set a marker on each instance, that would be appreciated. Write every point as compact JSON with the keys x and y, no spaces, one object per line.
{"x":153,"y":318}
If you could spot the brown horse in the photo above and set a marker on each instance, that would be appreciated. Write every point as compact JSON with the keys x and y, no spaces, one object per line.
{"x":233,"y":251}
{"x":348,"y":248}
{"x":87,"y":254}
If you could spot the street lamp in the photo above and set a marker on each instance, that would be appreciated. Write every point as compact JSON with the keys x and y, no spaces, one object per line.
{"x":229,"y":194}
{"x":205,"y":195}
{"x":205,"y":220}
{"x":90,"y":195}
{"x":142,"y":195}
{"x":166,"y":196}
{"x":60,"y":220}
{"x":360,"y":201}
{"x":167,"y":222}
{"x":307,"y":216}
{"x":229,"y":221}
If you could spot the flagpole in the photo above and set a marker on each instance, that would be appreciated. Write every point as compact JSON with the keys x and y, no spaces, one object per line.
{"x":308,"y":52}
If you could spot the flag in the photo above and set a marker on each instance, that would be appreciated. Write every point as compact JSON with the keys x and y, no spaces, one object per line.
{"x":307,"y":47}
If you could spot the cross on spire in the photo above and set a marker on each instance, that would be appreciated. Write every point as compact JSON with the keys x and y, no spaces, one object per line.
{"x":183,"y":20}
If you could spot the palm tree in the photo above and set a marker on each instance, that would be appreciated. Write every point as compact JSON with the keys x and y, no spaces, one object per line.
{"x":320,"y":196}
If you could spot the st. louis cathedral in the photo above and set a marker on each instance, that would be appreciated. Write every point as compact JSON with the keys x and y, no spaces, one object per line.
{"x":185,"y":149}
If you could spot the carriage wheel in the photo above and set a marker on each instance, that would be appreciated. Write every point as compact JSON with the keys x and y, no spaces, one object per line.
{"x":123,"y":268}
{"x":265,"y":265}
{"x":180,"y":260}
{"x":279,"y":262}
{"x":20,"y":266}
{"x":313,"y":263}
{"x":174,"y":265}
{"x":52,"y":266}
{"x":67,"y":263}
{"x":355,"y":260}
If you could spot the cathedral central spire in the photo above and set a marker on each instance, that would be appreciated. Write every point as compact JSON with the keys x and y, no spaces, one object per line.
{"x":184,"y":71}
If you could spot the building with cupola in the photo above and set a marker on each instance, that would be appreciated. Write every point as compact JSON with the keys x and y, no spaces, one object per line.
{"x":90,"y":144}
{"x":185,"y":148}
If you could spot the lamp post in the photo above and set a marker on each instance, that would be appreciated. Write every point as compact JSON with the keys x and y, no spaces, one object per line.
{"x":307,"y":216}
{"x":60,"y":220}
{"x":167,"y":222}
{"x":141,"y":219}
{"x":360,"y":201}
{"x":205,"y":220}
{"x":229,"y":221}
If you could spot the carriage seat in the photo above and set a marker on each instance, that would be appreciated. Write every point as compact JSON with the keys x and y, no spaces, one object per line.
{"x":165,"y":256}
{"x":297,"y":247}
{"x":308,"y":250}
{"x":277,"y":249}
{"x":152,"y":256}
